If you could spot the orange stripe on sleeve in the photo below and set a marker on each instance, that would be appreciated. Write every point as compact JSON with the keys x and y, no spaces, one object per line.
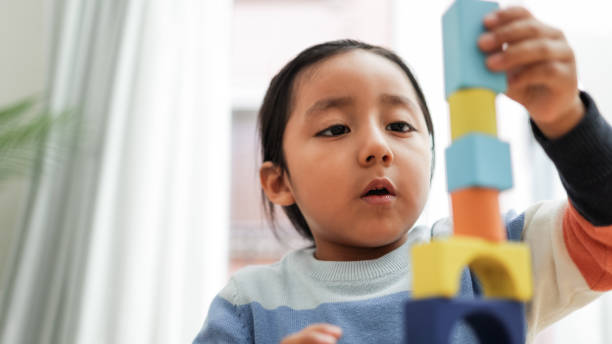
{"x":590,"y":248}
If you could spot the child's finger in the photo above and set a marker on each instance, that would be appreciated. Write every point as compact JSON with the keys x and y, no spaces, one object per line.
{"x":529,"y":52}
{"x":544,"y":73}
{"x":315,"y":334}
{"x":516,"y":31}
{"x":310,"y":338}
{"x":506,"y":15}
{"x":326,"y":328}
{"x":320,"y":338}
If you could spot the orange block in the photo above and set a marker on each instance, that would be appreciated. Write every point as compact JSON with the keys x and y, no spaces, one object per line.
{"x":476,"y":214}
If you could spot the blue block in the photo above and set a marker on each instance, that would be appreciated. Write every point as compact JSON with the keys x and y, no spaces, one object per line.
{"x":478,"y":160}
{"x":431,"y":321}
{"x":464,"y":62}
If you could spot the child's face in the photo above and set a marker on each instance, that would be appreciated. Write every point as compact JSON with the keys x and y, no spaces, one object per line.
{"x":350,"y":124}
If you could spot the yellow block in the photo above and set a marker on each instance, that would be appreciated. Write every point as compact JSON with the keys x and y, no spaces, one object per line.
{"x":504,"y":269}
{"x":472,"y":110}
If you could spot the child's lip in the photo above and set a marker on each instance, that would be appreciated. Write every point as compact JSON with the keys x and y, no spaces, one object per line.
{"x":378,"y":199}
{"x":379,"y":183}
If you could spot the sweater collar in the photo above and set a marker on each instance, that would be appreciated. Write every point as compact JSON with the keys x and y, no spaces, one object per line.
{"x":395,"y":261}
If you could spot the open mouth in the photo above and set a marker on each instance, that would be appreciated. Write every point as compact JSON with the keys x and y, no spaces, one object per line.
{"x":379,"y":196}
{"x":377,"y":192}
{"x":379,"y":187}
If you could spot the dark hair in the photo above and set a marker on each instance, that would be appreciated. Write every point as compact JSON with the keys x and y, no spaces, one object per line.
{"x":274,"y":113}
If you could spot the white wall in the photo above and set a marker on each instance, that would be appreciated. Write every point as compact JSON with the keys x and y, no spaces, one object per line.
{"x":22,"y":73}
{"x":22,"y":61}
{"x":267,"y":34}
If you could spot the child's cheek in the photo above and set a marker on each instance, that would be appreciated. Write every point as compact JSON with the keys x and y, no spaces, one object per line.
{"x":414,"y":173}
{"x":324,"y":178}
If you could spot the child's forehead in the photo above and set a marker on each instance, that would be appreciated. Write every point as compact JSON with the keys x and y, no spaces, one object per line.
{"x":340,"y":73}
{"x":343,"y":61}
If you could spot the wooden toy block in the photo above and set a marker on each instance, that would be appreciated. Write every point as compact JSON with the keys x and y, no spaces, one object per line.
{"x":503,"y":269}
{"x":478,"y":160}
{"x":464,"y":62}
{"x":472,"y":110}
{"x":476,"y":214}
{"x":431,"y":321}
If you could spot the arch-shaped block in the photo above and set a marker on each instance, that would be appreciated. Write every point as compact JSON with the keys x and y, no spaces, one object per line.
{"x":464,"y":62}
{"x":476,"y":214}
{"x":430,"y":321}
{"x":504,"y":269}
{"x":472,"y":110}
{"x":478,"y":160}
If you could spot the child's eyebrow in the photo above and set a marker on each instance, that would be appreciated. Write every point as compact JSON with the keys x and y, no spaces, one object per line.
{"x":328,"y":103}
{"x":385,"y":98}
{"x":396,"y":99}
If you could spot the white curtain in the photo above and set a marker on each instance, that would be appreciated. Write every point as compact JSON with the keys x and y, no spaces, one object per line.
{"x":126,"y":241}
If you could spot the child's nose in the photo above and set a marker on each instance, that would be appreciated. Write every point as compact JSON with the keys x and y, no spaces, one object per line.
{"x":375,"y":150}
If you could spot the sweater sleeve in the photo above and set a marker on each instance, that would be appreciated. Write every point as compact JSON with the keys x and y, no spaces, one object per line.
{"x":583,"y":158}
{"x":226,"y":322}
{"x":571,"y":240}
{"x":558,"y":285}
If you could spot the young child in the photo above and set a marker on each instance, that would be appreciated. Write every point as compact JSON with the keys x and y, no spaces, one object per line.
{"x":348,"y":144}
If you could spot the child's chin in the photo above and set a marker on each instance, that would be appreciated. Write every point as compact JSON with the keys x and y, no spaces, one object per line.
{"x":380,"y":238}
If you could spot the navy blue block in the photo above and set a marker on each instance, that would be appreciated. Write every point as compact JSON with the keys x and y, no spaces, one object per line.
{"x":431,"y":321}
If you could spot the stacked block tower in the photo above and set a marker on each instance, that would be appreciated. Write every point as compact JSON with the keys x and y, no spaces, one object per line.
{"x":478,"y":169}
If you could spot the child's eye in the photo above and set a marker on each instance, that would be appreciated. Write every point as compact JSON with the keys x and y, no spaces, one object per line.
{"x":334,"y":130}
{"x":400,"y":126}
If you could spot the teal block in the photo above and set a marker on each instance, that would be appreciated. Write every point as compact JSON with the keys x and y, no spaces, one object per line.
{"x":464,"y":62}
{"x":478,"y":160}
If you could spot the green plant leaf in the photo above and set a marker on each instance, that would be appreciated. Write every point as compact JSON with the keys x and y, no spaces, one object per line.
{"x":25,"y":140}
{"x":14,"y":111}
{"x":25,"y":133}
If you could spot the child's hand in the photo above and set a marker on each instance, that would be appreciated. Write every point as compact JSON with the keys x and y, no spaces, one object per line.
{"x":540,"y":67}
{"x":315,"y":334}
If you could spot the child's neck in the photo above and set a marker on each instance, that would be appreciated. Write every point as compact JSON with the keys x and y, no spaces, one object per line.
{"x":339,"y":252}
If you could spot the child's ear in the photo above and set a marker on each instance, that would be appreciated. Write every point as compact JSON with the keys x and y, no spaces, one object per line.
{"x":275,"y":185}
